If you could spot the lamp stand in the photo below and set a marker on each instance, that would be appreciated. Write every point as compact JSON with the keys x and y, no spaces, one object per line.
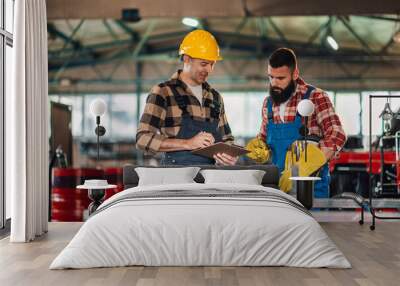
{"x":100,"y":131}
{"x":97,"y":195}
{"x":97,"y":198}
{"x":305,"y":138}
{"x":98,"y":138}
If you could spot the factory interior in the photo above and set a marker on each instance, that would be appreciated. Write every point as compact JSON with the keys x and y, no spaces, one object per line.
{"x":84,"y":102}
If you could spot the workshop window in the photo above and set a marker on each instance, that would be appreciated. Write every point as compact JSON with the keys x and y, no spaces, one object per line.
{"x":348,"y":109}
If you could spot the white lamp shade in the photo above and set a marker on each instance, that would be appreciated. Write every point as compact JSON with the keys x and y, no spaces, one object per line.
{"x":305,"y":107}
{"x":98,"y":107}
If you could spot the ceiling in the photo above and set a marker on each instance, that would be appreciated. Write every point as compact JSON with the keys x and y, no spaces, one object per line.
{"x":106,"y":9}
{"x":112,"y":56}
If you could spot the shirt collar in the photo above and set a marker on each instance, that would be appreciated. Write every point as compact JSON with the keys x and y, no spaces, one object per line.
{"x":176,"y":80}
{"x":301,"y":86}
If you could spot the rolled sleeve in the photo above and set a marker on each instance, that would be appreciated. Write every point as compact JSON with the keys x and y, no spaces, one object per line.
{"x":334,"y":136}
{"x":148,"y":136}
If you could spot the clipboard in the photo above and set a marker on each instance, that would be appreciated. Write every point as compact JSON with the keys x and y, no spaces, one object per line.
{"x":221,"y":147}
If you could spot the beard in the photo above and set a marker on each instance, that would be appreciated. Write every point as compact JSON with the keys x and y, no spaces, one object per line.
{"x":279,"y":95}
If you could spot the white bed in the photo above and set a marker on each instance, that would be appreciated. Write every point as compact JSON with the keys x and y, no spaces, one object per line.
{"x":222,"y":225}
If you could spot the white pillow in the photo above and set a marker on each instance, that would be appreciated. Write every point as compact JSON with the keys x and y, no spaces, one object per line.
{"x":166,"y":176}
{"x":249,"y":177}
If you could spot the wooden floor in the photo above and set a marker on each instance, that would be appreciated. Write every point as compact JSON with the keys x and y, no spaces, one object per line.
{"x":374,"y":255}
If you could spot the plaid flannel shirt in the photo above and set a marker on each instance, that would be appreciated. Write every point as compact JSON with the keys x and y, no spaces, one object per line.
{"x":324,"y":121}
{"x":162,"y":116}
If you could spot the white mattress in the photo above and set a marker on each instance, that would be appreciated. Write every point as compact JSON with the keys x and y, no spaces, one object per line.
{"x":190,"y":230}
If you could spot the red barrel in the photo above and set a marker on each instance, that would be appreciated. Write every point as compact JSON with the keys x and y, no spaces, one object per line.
{"x":113,"y":177}
{"x":65,"y":205}
{"x":63,"y":195}
{"x":398,"y":175}
{"x":67,"y":202}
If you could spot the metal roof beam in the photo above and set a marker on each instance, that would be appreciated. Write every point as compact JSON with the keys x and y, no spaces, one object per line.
{"x":387,"y":46}
{"x":262,"y":27}
{"x":320,"y":29}
{"x":237,"y":31}
{"x":110,"y":30}
{"x":111,"y":44}
{"x":384,"y":18}
{"x":71,"y":37}
{"x":51,"y":29}
{"x":356,"y":35}
{"x":279,"y":32}
{"x":144,"y":38}
{"x":134,"y":35}
{"x":165,"y":51}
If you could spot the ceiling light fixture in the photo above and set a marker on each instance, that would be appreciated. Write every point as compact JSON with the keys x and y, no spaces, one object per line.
{"x":65,"y":82}
{"x":191,"y":22}
{"x":332,"y":42}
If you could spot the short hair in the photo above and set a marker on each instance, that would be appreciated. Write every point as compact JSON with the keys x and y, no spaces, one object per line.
{"x":283,"y":57}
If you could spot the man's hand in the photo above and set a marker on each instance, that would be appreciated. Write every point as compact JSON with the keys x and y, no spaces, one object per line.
{"x":202,"y":139}
{"x":329,"y":153}
{"x":225,"y":159}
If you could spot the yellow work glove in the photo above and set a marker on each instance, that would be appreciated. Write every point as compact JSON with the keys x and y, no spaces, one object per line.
{"x":315,"y":160}
{"x":285,"y":184}
{"x":259,"y":151}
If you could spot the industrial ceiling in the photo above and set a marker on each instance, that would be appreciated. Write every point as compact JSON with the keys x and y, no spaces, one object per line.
{"x":92,"y":50}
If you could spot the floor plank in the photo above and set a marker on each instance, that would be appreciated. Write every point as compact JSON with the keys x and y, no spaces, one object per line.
{"x":374,"y":255}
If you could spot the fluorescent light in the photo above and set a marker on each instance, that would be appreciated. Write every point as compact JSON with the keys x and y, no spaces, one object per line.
{"x":191,"y":22}
{"x":332,"y":42}
{"x":65,"y":82}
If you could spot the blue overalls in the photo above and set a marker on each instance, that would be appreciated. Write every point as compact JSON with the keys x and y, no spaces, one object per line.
{"x":280,"y":137}
{"x":190,"y":128}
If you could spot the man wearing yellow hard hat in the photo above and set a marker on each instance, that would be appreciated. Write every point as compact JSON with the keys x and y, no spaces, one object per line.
{"x":282,"y":126}
{"x":185,"y":112}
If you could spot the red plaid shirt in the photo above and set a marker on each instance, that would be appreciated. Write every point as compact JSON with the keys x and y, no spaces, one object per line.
{"x":324,"y":121}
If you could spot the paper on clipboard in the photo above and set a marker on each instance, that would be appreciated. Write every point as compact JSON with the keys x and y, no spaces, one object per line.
{"x":221,"y":147}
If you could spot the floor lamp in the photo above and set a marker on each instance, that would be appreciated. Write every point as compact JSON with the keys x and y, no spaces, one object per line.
{"x":97,"y":188}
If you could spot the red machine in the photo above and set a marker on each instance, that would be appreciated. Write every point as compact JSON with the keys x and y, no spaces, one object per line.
{"x":351,"y":158}
{"x":350,"y":171}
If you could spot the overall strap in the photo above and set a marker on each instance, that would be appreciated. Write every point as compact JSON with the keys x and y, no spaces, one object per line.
{"x":269,"y":108}
{"x":310,"y":89}
{"x":215,"y":108}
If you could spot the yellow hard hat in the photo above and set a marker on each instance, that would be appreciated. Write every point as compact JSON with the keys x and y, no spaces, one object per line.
{"x":200,"y":44}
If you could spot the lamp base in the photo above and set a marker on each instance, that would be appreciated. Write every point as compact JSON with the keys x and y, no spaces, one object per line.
{"x":305,"y":190}
{"x":97,"y":197}
{"x":305,"y":193}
